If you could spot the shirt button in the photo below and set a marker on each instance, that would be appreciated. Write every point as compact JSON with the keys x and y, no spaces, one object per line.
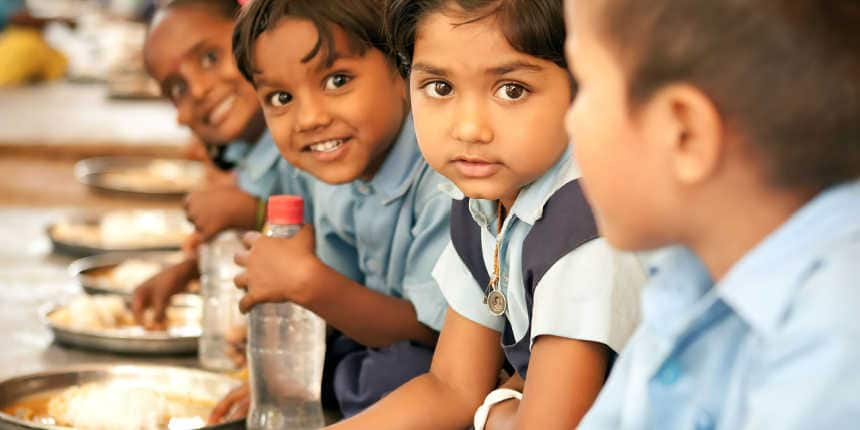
{"x":704,"y":421}
{"x":363,"y":188}
{"x":669,"y":373}
{"x":372,"y":265}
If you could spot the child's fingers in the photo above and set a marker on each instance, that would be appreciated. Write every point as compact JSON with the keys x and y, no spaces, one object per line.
{"x":250,"y":237}
{"x":241,"y":258}
{"x":226,"y":405}
{"x":248,"y":301}
{"x":139,"y":304}
{"x":239,"y":410}
{"x":159,"y":311}
{"x":189,"y":246}
{"x":241,"y":281}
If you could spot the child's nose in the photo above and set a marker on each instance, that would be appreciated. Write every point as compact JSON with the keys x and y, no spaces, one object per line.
{"x":470,"y":123}
{"x":312,"y":114}
{"x":199,"y":82}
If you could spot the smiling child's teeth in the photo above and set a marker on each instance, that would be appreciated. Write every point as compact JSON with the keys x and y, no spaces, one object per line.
{"x":326,"y":146}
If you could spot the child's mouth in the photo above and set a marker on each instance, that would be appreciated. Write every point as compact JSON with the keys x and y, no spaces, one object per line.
{"x":327,"y":146}
{"x":476,"y":168}
{"x":219,"y":113}
{"x":328,"y":150}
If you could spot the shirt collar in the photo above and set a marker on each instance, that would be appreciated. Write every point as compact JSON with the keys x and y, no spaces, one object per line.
{"x":762,"y":285}
{"x":394,"y":177}
{"x":530,"y":201}
{"x":262,"y":157}
{"x":678,"y":280}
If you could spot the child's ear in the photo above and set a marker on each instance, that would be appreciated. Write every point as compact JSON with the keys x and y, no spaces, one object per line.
{"x":690,"y":130}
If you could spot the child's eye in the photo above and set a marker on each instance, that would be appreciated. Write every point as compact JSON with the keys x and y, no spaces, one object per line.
{"x":334,"y":82}
{"x":177,"y":90}
{"x":280,"y":98}
{"x":438,"y":89}
{"x":511,"y":92}
{"x":209,"y":59}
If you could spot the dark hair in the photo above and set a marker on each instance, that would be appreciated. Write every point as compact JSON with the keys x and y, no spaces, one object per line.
{"x":785,"y":74}
{"x":534,"y":27}
{"x":361,"y":20}
{"x":224,"y":8}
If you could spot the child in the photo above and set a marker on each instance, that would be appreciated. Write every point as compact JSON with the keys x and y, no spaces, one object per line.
{"x":527,"y":278}
{"x":338,"y":111}
{"x":737,"y":127}
{"x":187,"y":51}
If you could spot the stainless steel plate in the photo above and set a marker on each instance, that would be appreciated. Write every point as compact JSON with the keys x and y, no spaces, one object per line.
{"x":153,"y":177}
{"x":133,"y":340}
{"x":92,"y":272}
{"x":81,"y":234}
{"x":199,"y":384}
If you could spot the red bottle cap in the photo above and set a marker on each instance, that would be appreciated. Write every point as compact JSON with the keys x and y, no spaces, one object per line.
{"x":285,"y":209}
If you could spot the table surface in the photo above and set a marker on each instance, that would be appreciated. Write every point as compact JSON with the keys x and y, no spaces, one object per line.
{"x":31,"y":276}
{"x":58,"y":116}
{"x":44,"y":130}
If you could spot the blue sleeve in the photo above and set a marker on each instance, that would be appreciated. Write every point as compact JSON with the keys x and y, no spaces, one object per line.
{"x":258,"y":172}
{"x":430,"y":234}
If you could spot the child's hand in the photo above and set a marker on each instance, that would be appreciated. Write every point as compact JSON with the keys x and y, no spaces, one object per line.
{"x":215,"y":177}
{"x":216,"y":209}
{"x":191,"y":244}
{"x":277,"y":269}
{"x":237,"y":343}
{"x":155,"y":293}
{"x":233,"y":406}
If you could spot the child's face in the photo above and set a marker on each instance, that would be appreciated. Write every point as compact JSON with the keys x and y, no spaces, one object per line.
{"x":335,"y":122}
{"x":488,"y":117}
{"x":625,"y":174}
{"x":188,"y":52}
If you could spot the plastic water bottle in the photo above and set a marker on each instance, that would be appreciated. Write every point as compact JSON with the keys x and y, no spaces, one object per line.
{"x":220,"y":299}
{"x":286,"y":347}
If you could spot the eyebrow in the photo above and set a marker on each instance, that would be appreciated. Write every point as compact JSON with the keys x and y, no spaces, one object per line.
{"x":502,"y":69}
{"x":513,"y":66}
{"x":430,"y":70}
{"x":258,"y":81}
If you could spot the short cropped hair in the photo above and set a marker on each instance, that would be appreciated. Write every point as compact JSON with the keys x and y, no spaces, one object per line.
{"x":533,"y":27}
{"x":361,"y":20}
{"x":784,"y":74}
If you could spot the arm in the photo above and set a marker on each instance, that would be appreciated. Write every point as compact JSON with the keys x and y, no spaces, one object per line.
{"x":565,"y":376}
{"x":503,"y":415}
{"x":371,"y":318}
{"x":465,"y":368}
{"x":217,"y":208}
{"x":156,"y":291}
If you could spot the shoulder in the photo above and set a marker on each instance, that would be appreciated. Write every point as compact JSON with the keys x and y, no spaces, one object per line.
{"x":819,"y":328}
{"x":427,"y":193}
{"x":829,"y":297}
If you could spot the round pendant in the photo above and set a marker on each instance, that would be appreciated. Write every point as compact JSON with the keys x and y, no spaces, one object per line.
{"x":497,"y":303}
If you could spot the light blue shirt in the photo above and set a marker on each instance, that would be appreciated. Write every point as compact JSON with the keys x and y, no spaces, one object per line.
{"x":774,"y":345}
{"x":8,"y":8}
{"x":385,"y":233}
{"x":258,"y":170}
{"x":592,"y":293}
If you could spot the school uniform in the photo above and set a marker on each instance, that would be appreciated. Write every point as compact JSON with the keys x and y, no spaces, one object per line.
{"x":558,"y":276}
{"x":256,"y":167}
{"x":773,"y":344}
{"x":386,"y":234}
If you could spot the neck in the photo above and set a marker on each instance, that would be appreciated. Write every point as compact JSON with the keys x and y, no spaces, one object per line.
{"x":727,"y":231}
{"x":255,"y":128}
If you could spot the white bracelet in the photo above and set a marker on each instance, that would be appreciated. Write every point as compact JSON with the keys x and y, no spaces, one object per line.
{"x":496,"y":396}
